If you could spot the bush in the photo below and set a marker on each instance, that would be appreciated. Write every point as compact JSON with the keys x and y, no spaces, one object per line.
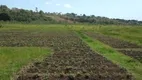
{"x":4,"y":17}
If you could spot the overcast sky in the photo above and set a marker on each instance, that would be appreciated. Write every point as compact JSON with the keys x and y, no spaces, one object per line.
{"x":125,"y":9}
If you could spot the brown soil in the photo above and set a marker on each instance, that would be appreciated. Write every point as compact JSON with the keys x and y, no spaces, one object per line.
{"x":72,"y":58}
{"x":134,"y":54}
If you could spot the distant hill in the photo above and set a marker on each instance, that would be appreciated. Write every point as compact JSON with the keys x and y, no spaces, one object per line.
{"x":29,"y":16}
{"x":59,"y":19}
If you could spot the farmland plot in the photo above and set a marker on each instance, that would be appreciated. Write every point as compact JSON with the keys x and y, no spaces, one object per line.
{"x":72,"y":58}
{"x":130,"y":49}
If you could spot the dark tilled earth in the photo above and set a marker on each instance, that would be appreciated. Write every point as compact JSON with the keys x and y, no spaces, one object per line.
{"x":72,"y":59}
{"x":133,"y":53}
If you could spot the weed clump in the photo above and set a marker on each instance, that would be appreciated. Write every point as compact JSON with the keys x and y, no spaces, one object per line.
{"x":1,"y":25}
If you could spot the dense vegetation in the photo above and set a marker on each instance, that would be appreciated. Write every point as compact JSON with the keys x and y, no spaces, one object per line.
{"x":99,"y":20}
{"x":22,"y":15}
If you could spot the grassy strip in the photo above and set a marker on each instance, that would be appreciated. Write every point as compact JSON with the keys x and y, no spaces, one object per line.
{"x":127,"y":62}
{"x":13,"y":58}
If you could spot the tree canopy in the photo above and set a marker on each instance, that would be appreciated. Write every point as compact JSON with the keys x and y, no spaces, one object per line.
{"x":4,"y":17}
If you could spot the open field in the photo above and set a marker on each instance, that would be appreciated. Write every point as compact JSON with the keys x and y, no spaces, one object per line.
{"x":72,"y":58}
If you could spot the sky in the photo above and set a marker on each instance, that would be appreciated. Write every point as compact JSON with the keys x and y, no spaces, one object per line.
{"x":123,"y":9}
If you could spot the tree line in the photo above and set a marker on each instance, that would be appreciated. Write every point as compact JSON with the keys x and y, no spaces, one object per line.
{"x":22,"y":15}
{"x":92,"y":19}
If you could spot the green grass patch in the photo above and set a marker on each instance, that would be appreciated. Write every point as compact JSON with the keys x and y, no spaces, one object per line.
{"x":13,"y":58}
{"x":124,"y":32}
{"x":132,"y":65}
{"x":129,"y":33}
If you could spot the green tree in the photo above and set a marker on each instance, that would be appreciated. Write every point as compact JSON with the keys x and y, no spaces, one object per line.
{"x":4,"y":17}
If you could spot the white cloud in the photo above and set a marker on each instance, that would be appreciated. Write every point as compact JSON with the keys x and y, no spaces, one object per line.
{"x":48,"y":3}
{"x":58,"y":4}
{"x":67,"y":6}
{"x":19,"y":7}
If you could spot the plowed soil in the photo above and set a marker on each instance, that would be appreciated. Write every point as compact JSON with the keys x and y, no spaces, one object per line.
{"x":133,"y":53}
{"x":72,"y":58}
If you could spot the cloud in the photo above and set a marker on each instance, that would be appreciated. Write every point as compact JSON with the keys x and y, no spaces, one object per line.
{"x":58,"y":4}
{"x":48,"y":3}
{"x":67,"y":6}
{"x":19,"y":7}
